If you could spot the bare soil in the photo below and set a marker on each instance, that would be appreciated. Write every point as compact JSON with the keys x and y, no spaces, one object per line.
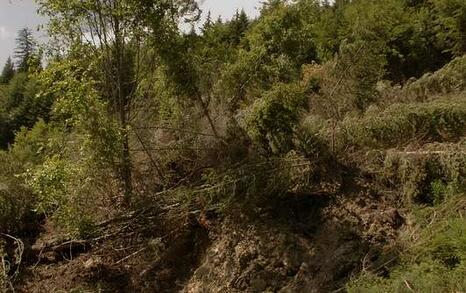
{"x":301,"y":243}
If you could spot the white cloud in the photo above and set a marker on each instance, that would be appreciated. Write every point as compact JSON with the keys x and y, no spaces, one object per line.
{"x":4,"y":33}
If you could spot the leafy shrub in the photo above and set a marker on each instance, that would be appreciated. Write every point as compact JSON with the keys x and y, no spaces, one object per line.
{"x":79,"y":105}
{"x":346,"y":84}
{"x":310,"y":139}
{"x":273,"y":118}
{"x":363,"y":66}
{"x":16,"y":200}
{"x":429,"y":175}
{"x":33,"y":145}
{"x":282,"y":30}
{"x":64,"y":192}
{"x":438,"y":190}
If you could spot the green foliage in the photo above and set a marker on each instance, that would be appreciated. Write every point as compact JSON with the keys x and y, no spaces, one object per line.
{"x":427,"y":177}
{"x":79,"y":105}
{"x":65,"y":160}
{"x":435,"y":262}
{"x":450,"y":24}
{"x":115,"y":51}
{"x":33,"y":145}
{"x":439,"y":190}
{"x":361,"y":67}
{"x":347,"y":84}
{"x":311,"y":141}
{"x":8,"y":72}
{"x":26,"y":53}
{"x":398,"y":32}
{"x":63,"y":189}
{"x":274,"y":48}
{"x":22,"y":106}
{"x":48,"y":183}
{"x":327,"y":27}
{"x":274,"y":117}
{"x":401,"y":124}
{"x":447,"y":80}
{"x":61,"y":173}
{"x":17,"y":200}
{"x":282,"y":30}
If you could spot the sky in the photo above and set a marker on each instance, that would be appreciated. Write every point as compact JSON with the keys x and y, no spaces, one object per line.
{"x":18,"y":14}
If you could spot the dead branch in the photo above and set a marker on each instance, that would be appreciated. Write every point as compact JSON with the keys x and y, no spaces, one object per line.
{"x":18,"y":256}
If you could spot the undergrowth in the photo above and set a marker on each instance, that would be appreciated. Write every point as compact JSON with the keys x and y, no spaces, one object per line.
{"x":433,"y":258}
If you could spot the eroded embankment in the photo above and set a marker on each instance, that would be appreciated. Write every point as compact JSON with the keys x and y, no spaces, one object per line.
{"x":300,"y":243}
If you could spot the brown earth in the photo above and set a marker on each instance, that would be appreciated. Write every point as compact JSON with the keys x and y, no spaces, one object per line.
{"x":302,"y":243}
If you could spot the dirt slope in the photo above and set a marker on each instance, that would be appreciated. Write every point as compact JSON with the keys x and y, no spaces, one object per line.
{"x":303,"y":243}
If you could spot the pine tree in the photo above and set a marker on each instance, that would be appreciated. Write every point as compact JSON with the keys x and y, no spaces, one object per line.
{"x":238,"y":26}
{"x":25,"y":49}
{"x":192,"y":31}
{"x":243,"y":21}
{"x":208,"y":22}
{"x":8,"y":71}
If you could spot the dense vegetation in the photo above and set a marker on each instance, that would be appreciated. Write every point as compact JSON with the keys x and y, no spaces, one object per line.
{"x":123,"y":112}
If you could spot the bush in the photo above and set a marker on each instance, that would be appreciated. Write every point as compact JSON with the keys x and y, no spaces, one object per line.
{"x":435,"y":262}
{"x":64,"y":191}
{"x":428,"y":175}
{"x":402,"y":124}
{"x":450,"y":24}
{"x":16,"y":200}
{"x":310,"y":139}
{"x":273,"y":118}
{"x":346,"y":84}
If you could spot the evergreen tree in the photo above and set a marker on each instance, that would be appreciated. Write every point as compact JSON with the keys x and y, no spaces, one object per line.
{"x":8,"y":71}
{"x":238,"y":26}
{"x":208,"y":22}
{"x":243,"y":21}
{"x":26,"y":47}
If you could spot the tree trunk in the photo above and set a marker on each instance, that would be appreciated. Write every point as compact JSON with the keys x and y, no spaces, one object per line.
{"x":123,"y":103}
{"x":205,"y":109}
{"x":125,"y":172}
